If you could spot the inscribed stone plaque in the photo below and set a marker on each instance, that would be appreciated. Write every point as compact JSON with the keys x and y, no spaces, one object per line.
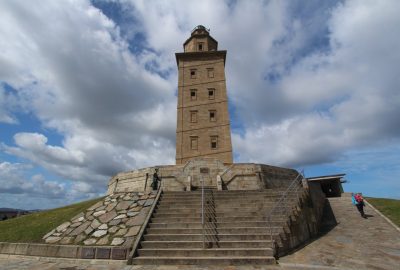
{"x":118,"y":254}
{"x":103,"y":253}
{"x":87,"y":253}
{"x":204,"y":170}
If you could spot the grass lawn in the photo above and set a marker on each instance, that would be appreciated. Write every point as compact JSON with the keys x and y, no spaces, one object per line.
{"x":389,"y":207}
{"x":32,"y":227}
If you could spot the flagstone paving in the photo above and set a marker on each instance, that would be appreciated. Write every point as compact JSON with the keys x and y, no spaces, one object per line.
{"x":354,"y":243}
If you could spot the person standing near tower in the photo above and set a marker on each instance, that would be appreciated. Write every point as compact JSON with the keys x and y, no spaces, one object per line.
{"x":156,"y":179}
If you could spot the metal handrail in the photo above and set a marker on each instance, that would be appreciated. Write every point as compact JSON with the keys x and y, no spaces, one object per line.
{"x":282,"y":202}
{"x":207,"y":212}
{"x":227,"y":169}
{"x":202,"y":209}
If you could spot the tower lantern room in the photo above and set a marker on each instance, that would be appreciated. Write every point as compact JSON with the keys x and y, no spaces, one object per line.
{"x":200,"y":41}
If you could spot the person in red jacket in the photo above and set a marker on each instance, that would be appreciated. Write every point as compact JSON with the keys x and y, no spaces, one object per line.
{"x":360,"y":204}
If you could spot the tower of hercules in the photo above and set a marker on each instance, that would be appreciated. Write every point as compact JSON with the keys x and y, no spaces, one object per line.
{"x":203,"y":127}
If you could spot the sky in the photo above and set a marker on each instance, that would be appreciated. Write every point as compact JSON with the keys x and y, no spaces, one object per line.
{"x":88,"y":89}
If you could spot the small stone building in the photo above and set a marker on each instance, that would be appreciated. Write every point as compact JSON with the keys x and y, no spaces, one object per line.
{"x":331,"y":185}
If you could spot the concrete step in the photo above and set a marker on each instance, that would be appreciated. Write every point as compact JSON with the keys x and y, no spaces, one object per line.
{"x":238,"y":197}
{"x":262,"y":260}
{"x":218,"y":219}
{"x":218,"y":224}
{"x":220,"y":197}
{"x":259,"y":214}
{"x":229,"y":230}
{"x":230,"y":198}
{"x":216,"y":206}
{"x":224,"y":192}
{"x":208,"y":252}
{"x":210,"y":209}
{"x":199,"y":244}
{"x":262,"y":209}
{"x":223,"y":197}
{"x":242,"y":201}
{"x":199,"y":237}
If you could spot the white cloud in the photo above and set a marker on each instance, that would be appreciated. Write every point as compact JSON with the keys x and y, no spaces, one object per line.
{"x":13,"y":180}
{"x":343,"y":99}
{"x":35,"y":191}
{"x":79,"y":78}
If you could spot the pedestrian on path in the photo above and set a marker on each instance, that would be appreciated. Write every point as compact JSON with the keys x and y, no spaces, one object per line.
{"x":358,"y":201}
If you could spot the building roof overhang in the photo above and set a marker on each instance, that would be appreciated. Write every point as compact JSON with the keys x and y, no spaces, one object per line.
{"x":327,"y":177}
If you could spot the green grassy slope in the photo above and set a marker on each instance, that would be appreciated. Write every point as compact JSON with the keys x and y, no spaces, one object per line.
{"x":32,"y":227}
{"x":389,"y":207}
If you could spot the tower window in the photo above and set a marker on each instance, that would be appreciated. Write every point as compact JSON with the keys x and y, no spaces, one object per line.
{"x":211,"y":93}
{"x":193,"y":94}
{"x":200,"y":46}
{"x":193,"y":74}
{"x":210,"y":72}
{"x":213,"y":116}
{"x":214,"y":142}
{"x":194,"y":142}
{"x":193,"y":116}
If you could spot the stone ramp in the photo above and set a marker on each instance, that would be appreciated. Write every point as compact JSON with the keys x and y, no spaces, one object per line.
{"x":354,"y":243}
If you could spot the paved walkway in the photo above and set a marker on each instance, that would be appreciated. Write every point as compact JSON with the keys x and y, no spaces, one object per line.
{"x":354,"y":243}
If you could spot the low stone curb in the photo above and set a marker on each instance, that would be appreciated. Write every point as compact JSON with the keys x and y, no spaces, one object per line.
{"x":62,"y":260}
{"x":382,"y":215}
{"x":310,"y":266}
{"x":64,"y":251}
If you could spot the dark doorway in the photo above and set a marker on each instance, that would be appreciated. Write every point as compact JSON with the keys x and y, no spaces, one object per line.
{"x":331,"y":188}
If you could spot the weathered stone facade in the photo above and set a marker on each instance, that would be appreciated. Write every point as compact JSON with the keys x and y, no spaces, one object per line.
{"x":203,"y":126}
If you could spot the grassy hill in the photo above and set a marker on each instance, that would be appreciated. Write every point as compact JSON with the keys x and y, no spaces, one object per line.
{"x":32,"y":227}
{"x":389,"y":207}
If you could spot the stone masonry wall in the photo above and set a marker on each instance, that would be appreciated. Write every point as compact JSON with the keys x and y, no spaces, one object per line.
{"x":277,"y":177}
{"x":238,"y":176}
{"x":116,"y":220}
{"x":305,"y":218}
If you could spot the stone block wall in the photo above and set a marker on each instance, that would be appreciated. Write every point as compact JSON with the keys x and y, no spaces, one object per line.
{"x":305,"y":219}
{"x":277,"y":177}
{"x":63,"y":251}
{"x":238,"y":176}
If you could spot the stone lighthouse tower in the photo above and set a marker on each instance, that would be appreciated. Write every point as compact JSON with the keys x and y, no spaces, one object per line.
{"x":203,"y":127}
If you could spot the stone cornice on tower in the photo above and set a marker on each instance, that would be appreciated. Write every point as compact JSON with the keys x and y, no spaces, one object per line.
{"x":186,"y":55}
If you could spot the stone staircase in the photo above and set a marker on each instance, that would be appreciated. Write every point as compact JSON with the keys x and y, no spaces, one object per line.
{"x":237,"y":231}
